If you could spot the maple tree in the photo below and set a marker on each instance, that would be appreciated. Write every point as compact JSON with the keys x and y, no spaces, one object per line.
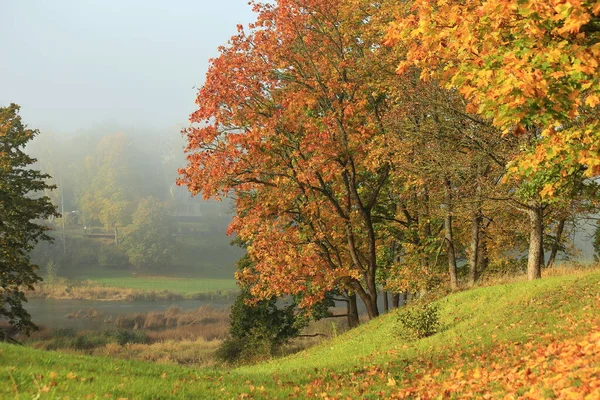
{"x":286,"y":120}
{"x":531,"y":68}
{"x":349,"y":177}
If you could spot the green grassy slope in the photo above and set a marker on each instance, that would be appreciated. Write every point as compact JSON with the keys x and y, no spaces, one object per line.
{"x":370,"y":361}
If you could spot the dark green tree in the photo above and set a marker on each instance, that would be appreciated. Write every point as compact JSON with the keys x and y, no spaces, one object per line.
{"x":259,"y":328}
{"x":148,"y":241}
{"x":21,"y":209}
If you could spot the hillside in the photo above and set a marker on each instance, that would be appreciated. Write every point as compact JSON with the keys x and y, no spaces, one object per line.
{"x":532,"y":339}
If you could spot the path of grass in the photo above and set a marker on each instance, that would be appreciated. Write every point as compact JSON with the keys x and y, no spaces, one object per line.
{"x":371,"y":361}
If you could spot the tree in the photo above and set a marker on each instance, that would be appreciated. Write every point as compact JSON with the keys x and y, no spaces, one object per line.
{"x":148,"y":240}
{"x":19,"y":210}
{"x":107,"y":189}
{"x":528,"y":66}
{"x":286,"y":122}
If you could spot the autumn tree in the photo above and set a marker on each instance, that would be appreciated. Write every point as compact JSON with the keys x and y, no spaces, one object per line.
{"x":106,"y":194}
{"x":287,"y":119}
{"x":21,"y":209}
{"x":530,"y":67}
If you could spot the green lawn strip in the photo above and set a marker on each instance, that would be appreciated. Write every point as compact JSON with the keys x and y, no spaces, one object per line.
{"x":159,"y":281}
{"x":358,"y":363}
{"x":175,"y":285}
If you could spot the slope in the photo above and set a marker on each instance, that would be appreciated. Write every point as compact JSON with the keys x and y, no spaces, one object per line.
{"x":541,"y":338}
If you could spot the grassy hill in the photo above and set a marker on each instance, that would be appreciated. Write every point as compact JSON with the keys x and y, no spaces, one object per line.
{"x":532,"y":339}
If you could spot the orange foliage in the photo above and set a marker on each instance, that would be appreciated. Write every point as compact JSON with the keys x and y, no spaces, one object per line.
{"x":566,"y":369}
{"x":525,"y":64}
{"x":285,"y":122}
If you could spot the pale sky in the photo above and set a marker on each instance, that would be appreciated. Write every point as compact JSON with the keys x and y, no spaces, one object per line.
{"x":73,"y":64}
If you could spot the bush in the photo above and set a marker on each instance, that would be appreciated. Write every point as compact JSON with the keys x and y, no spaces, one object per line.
{"x":123,"y":337}
{"x":258,"y":330}
{"x":420,"y":321}
{"x":85,"y":256}
{"x":51,"y":272}
{"x":111,"y":256}
{"x":230,"y":350}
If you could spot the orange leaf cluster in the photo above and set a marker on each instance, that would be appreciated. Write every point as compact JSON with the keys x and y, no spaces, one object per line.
{"x":530,"y":63}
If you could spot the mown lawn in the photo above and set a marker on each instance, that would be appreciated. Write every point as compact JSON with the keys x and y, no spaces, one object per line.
{"x":169,"y":279}
{"x":171,"y":284}
{"x":533,"y":338}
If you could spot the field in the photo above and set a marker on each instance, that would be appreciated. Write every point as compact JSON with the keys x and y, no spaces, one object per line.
{"x":203,"y":265}
{"x":157,"y":281}
{"x":529,"y":339}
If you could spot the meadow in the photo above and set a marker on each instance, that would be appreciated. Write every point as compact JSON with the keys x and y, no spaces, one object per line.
{"x":529,"y":339}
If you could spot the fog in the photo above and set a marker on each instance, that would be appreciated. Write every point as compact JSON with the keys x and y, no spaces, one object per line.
{"x":110,"y":85}
{"x":131,"y":64}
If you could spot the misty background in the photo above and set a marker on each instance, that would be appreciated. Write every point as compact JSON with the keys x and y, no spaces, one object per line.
{"x":110,"y":85}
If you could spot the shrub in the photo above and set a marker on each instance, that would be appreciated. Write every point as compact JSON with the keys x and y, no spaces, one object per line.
{"x":111,"y":256}
{"x":257,"y":330}
{"x":420,"y":321}
{"x":85,"y":256}
{"x":51,"y":272}
{"x":124,"y":336}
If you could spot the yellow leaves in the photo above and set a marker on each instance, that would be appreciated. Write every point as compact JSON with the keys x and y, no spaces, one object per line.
{"x":71,"y":375}
{"x":472,"y":108}
{"x":548,"y":191}
{"x":574,"y":22}
{"x":592,"y":100}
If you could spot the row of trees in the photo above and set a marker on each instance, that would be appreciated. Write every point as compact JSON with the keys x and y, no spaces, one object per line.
{"x":350,"y":173}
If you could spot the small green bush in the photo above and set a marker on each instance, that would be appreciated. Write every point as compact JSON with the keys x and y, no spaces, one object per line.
{"x":51,"y":272}
{"x":124,"y":336}
{"x":113,"y":257}
{"x":420,"y":321}
{"x":85,"y":256}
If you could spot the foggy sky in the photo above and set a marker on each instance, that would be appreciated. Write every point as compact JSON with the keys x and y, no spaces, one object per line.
{"x":73,"y":64}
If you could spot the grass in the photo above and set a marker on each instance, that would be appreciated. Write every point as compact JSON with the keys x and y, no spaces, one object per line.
{"x":172,"y":336}
{"x":97,"y":283}
{"x":371,"y":361}
{"x":175,"y":285}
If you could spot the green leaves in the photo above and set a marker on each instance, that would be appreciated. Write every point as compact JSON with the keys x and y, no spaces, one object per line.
{"x":21,"y":212}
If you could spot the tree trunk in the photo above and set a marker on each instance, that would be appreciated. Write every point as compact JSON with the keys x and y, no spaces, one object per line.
{"x":352,"y":311}
{"x":369,"y":299}
{"x":474,"y":247}
{"x":536,"y":232}
{"x":482,"y":255}
{"x":386,"y":304}
{"x":396,"y":300}
{"x":557,"y":239}
{"x":449,"y":237}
